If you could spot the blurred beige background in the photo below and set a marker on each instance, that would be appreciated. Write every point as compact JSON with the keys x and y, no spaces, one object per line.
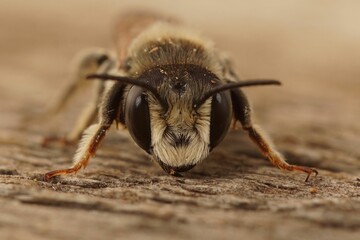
{"x":313,"y":47}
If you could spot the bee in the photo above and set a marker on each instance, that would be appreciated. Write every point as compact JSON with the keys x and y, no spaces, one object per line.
{"x":176,"y":94}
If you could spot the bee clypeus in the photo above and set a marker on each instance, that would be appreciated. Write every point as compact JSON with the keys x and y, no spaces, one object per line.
{"x":173,"y":91}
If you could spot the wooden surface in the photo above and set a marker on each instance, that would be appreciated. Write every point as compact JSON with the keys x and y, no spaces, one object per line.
{"x":235,"y":193}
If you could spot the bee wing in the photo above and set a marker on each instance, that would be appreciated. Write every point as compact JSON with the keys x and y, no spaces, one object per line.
{"x":130,"y":25}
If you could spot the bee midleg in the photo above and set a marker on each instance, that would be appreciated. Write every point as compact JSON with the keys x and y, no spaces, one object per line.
{"x":110,"y":111}
{"x":242,"y":113}
{"x":85,"y":63}
{"x":91,"y":62}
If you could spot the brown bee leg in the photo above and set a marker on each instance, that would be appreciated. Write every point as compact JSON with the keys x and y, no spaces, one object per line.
{"x":92,"y":62}
{"x":242,"y":113}
{"x":275,"y":157}
{"x":110,"y":110}
{"x":91,"y":140}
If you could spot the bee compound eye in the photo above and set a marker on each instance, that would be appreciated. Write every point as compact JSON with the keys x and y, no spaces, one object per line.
{"x":137,"y":117}
{"x":220,"y":118}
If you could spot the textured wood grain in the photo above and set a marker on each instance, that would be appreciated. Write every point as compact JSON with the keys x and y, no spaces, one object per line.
{"x":235,"y":193}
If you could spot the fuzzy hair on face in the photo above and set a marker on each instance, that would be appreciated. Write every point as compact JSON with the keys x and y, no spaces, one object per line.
{"x":182,"y":138}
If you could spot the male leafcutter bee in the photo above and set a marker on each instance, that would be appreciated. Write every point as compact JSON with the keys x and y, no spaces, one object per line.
{"x":173,"y":91}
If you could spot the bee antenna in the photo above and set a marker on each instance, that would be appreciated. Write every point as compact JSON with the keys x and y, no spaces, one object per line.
{"x":129,"y":81}
{"x":228,"y":86}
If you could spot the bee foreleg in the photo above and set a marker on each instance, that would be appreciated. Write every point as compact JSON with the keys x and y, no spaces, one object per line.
{"x":110,"y":110}
{"x":89,"y":143}
{"x":242,"y":113}
{"x":91,"y":62}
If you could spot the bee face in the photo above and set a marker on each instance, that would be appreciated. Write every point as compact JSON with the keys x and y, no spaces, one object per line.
{"x":172,"y":129}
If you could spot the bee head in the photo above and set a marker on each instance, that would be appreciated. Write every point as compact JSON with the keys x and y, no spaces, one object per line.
{"x":178,"y":113}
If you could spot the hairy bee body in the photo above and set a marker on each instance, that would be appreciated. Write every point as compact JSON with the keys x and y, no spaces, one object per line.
{"x":175,"y":56}
{"x":172,"y":90}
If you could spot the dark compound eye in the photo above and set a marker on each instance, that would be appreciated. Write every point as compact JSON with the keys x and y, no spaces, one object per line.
{"x":137,"y":117}
{"x":221,"y":116}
